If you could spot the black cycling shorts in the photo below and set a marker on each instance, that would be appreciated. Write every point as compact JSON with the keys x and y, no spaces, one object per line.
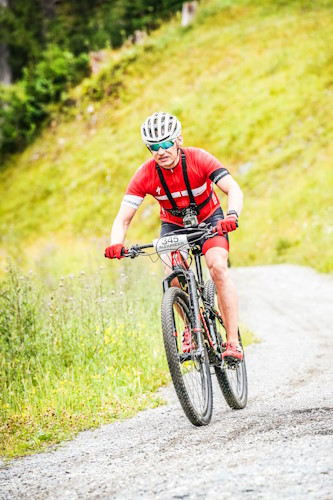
{"x":217,"y":241}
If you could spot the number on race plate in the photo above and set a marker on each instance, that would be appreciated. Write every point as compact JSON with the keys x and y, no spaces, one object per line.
{"x":170,"y":243}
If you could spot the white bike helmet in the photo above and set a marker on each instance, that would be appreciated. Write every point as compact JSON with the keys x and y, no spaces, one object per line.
{"x":160,"y":127}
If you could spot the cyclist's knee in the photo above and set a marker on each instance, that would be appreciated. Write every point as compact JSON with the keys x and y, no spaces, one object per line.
{"x":218,"y":269}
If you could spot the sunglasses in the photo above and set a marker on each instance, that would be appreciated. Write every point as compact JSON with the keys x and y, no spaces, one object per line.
{"x":163,"y":145}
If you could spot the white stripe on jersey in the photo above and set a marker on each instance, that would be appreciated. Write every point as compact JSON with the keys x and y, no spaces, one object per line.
{"x":196,"y":192}
{"x":132,"y":201}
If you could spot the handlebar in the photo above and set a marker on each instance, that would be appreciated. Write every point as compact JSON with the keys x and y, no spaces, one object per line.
{"x":173,"y":241}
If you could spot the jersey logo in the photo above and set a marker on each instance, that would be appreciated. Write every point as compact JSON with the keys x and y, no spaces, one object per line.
{"x":158,"y":190}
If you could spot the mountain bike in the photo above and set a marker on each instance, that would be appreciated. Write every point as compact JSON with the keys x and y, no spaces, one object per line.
{"x":191,"y":307}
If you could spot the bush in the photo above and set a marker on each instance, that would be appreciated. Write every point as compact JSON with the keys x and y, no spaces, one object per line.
{"x":19,"y":116}
{"x":57,"y":72}
{"x":23,"y":106}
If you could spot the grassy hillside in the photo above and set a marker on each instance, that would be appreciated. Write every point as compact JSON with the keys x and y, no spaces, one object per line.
{"x":251,"y":83}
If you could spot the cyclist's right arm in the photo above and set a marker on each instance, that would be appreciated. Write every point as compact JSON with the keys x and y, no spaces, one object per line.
{"x":121,"y":224}
{"x":135,"y":193}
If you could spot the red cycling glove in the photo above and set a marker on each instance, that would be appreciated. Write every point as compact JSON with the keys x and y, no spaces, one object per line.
{"x":226,"y":225}
{"x":114,"y":251}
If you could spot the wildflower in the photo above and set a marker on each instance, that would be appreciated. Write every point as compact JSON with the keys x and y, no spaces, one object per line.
{"x":82,"y":273}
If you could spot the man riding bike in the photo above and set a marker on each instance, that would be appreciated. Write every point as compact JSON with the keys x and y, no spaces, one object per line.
{"x":181,"y":180}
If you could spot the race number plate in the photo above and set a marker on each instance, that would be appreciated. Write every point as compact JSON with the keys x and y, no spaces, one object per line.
{"x":171,"y":243}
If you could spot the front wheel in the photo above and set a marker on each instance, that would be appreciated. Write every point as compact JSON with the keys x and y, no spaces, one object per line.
{"x":232,"y":381}
{"x":189,"y":370}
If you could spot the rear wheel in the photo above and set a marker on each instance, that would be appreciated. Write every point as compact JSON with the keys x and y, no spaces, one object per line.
{"x":232,"y":380}
{"x":189,"y":370}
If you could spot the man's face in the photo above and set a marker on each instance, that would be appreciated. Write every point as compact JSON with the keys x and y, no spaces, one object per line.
{"x":168,"y":158}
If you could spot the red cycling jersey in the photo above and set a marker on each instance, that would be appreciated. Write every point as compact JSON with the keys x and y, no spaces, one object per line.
{"x":202,"y":169}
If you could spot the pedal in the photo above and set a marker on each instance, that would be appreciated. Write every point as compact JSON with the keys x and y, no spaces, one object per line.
{"x":231,"y":363}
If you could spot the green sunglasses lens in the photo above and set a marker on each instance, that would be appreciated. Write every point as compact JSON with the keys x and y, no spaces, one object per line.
{"x":163,"y":145}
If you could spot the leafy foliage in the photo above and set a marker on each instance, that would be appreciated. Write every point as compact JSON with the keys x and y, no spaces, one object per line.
{"x":49,"y":52}
{"x":78,"y":26}
{"x":21,"y":28}
{"x":25,"y":105}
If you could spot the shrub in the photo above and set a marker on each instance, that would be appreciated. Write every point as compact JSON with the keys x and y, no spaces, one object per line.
{"x":19,"y":115}
{"x":58,"y":71}
{"x":23,"y":106}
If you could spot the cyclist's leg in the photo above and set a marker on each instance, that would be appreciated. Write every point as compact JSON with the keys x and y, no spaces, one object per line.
{"x":217,"y":263}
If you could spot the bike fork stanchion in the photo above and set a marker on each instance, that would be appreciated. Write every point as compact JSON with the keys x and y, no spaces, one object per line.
{"x":194,"y":305}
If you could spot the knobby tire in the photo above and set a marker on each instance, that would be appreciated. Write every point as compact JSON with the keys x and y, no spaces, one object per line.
{"x":233,"y":382}
{"x":192,"y":378}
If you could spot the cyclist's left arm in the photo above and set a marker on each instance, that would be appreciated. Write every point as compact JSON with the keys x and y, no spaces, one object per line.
{"x":220,"y":176}
{"x":230,"y":187}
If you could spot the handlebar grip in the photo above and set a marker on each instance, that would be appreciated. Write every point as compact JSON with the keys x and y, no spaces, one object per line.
{"x":123,"y":253}
{"x":215,"y":231}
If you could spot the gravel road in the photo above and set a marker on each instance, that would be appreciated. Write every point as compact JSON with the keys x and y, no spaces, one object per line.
{"x":279,"y":446}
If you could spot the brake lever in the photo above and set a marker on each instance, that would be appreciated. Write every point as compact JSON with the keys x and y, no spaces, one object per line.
{"x":134,"y":251}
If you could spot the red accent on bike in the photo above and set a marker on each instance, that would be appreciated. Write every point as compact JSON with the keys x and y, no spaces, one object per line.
{"x":188,"y":344}
{"x":178,"y":259}
{"x":217,"y":241}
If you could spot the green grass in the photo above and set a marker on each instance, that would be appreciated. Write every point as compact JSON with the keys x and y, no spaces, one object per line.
{"x":75,"y":354}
